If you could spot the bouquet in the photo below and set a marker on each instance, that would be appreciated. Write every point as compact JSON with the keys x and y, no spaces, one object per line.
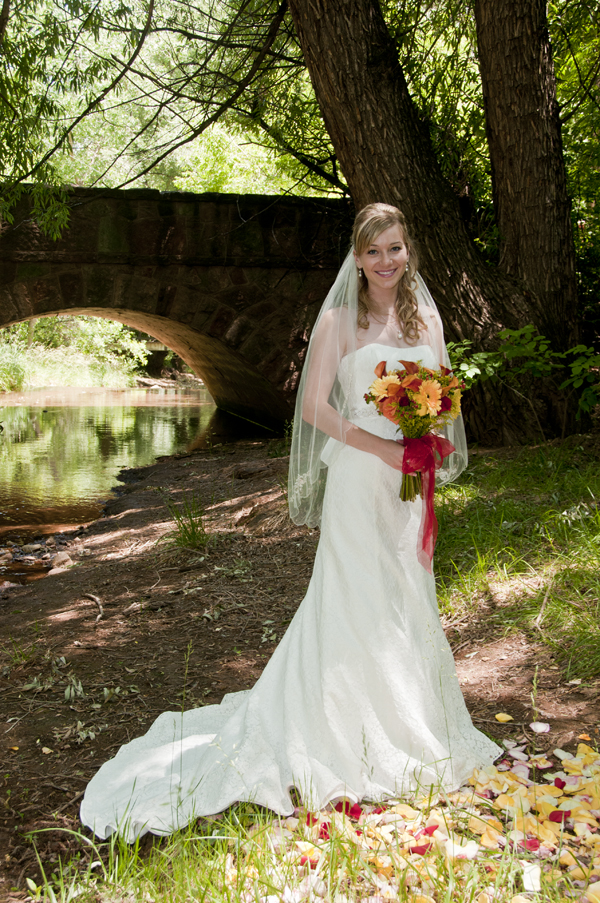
{"x":419,"y":401}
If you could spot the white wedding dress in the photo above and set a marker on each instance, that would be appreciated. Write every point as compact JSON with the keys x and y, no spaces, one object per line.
{"x":359,"y":700}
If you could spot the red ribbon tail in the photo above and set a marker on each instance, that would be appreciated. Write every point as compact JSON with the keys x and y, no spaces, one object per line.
{"x":428,"y":528}
{"x":426,"y":454}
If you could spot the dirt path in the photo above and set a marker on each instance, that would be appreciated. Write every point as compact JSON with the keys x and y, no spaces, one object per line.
{"x":89,"y":656}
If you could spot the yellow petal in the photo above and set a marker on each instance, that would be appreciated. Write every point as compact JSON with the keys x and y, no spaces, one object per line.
{"x":593,"y":892}
{"x":477,"y":825}
{"x":584,"y":750}
{"x":503,"y":717}
{"x":579,"y":873}
{"x":545,"y":808}
{"x":405,"y":811}
{"x":567,"y":859}
{"x":490,"y":839}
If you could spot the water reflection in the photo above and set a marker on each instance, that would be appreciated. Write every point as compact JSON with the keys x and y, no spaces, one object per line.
{"x":62,"y":448}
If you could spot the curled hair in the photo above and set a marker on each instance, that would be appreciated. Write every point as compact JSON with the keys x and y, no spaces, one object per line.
{"x":370,"y":222}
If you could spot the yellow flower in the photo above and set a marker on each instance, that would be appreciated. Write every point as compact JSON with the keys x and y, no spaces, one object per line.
{"x":429,"y":397}
{"x":380,"y":387}
{"x":455,"y":409}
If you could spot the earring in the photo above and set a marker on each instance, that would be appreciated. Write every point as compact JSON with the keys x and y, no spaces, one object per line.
{"x":407,"y":266}
{"x":359,"y":273}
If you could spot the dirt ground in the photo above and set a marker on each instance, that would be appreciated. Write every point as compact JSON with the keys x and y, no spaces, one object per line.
{"x":91,"y":654}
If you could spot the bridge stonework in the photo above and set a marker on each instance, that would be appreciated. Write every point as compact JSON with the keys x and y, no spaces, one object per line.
{"x":231,"y":284}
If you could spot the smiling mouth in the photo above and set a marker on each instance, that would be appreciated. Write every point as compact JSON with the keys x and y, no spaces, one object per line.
{"x":385,"y":272}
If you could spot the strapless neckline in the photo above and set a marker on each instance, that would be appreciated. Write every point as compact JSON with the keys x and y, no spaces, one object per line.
{"x":393,"y":348}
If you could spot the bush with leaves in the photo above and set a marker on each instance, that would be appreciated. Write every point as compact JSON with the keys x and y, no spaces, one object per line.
{"x":525,"y":355}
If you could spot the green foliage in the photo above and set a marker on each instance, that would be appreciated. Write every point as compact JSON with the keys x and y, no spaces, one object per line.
{"x":278,"y":448}
{"x":524,"y":355}
{"x":13,"y":372}
{"x":69,"y":351}
{"x":575,"y":30}
{"x":190,"y":532}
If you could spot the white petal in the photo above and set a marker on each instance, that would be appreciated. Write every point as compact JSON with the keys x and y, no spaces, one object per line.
{"x":540,"y":727}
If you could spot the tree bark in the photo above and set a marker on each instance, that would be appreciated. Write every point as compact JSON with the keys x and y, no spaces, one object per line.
{"x":528,"y":172}
{"x":386,"y":155}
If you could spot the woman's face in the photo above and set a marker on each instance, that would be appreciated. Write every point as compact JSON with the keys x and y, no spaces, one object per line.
{"x":384,"y":261}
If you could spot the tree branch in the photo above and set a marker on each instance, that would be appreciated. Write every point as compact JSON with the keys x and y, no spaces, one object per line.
{"x":227,"y":104}
{"x":306,"y":161}
{"x":97,"y":100}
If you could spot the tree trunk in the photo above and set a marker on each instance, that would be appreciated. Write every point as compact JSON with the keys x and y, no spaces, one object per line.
{"x":386,"y":155}
{"x":528,"y":171}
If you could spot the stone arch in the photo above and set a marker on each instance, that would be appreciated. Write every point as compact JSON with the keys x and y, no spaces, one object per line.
{"x":230,"y":284}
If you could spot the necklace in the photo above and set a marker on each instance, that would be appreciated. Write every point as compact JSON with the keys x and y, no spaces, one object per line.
{"x":388,"y":322}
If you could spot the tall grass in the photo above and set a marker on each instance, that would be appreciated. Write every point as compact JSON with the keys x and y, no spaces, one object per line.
{"x":190,"y":532}
{"x":520,"y":534}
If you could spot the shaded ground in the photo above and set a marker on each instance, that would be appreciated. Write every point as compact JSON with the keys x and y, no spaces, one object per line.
{"x":91,"y":655}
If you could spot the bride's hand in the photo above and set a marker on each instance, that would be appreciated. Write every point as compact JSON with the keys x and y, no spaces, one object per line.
{"x":392,"y":453}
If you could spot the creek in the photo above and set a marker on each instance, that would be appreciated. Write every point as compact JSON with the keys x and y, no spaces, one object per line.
{"x":61,"y":449}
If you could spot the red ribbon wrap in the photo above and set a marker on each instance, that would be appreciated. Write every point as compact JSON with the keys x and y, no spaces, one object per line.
{"x":427,"y":455}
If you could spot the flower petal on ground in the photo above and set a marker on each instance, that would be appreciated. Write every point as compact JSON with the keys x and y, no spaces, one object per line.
{"x":539,"y":727}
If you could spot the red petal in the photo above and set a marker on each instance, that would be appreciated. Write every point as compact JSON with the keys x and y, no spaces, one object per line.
{"x":559,"y":815}
{"x":380,"y":370}
{"x":558,"y":782}
{"x":311,"y":862}
{"x":431,"y":830}
{"x":324,"y":831}
{"x":311,"y":819}
{"x":532,"y":844}
{"x":422,"y":848}
{"x":352,"y":810}
{"x":379,"y":810}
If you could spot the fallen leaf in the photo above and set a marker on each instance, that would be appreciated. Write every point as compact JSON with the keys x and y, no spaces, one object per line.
{"x":46,"y":750}
{"x":503,"y":717}
{"x":584,"y":737}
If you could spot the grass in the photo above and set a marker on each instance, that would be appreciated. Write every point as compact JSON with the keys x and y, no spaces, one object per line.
{"x":38,"y":366}
{"x":190,"y":532}
{"x":249,"y":855}
{"x":520,"y":534}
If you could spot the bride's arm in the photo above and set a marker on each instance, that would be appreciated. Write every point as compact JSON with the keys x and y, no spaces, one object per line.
{"x":327,"y":351}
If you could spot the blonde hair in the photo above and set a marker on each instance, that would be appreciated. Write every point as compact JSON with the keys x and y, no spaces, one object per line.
{"x":370,"y":222}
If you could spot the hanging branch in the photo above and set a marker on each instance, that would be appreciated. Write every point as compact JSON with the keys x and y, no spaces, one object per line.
{"x":227,"y":104}
{"x":97,"y":100}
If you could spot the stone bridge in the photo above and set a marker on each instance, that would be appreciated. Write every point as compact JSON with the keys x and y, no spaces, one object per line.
{"x":231,"y":284}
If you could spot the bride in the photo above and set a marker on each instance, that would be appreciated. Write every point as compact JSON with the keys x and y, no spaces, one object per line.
{"x":360,"y":699}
